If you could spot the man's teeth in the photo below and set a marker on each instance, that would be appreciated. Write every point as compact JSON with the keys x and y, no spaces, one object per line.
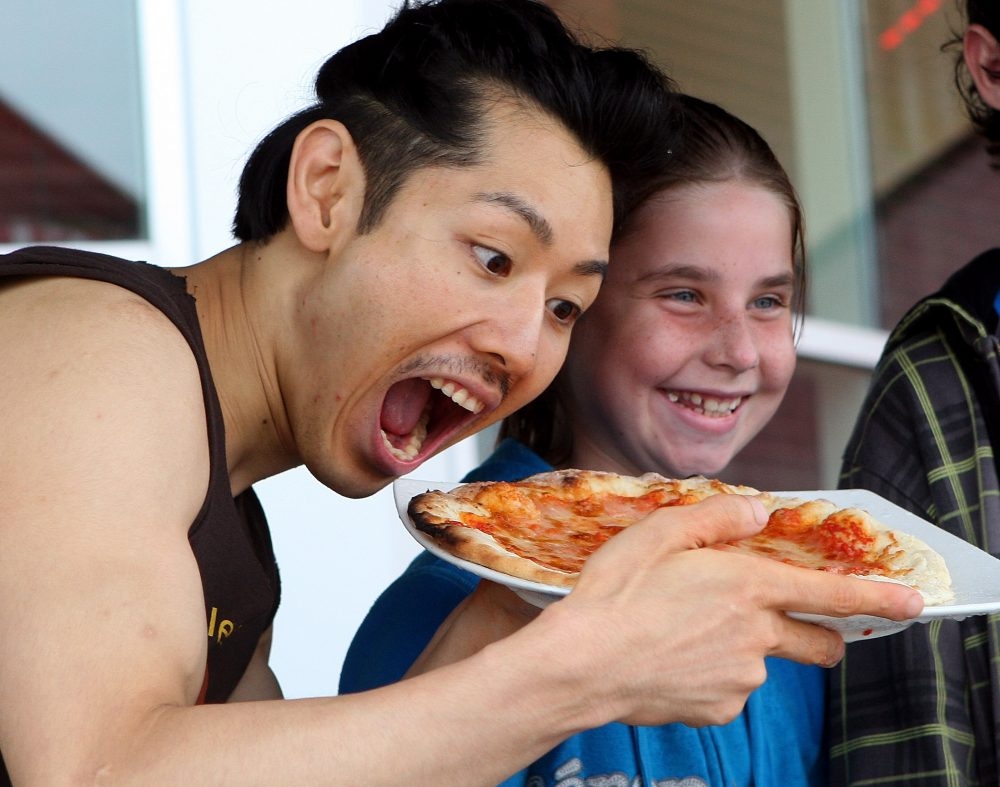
{"x":415,"y":440}
{"x":457,"y":394}
{"x":413,"y":444}
{"x":705,"y":404}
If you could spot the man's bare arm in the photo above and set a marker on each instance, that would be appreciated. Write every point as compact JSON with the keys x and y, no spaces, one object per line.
{"x":259,"y":682}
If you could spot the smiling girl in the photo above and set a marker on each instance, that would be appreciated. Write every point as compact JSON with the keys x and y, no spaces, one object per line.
{"x":682,"y":359}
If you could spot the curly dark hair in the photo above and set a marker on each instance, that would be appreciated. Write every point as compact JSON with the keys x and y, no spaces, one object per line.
{"x":985,"y":119}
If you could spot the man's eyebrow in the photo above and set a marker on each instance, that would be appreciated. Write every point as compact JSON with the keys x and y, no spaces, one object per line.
{"x":540,"y":228}
{"x":592,"y":268}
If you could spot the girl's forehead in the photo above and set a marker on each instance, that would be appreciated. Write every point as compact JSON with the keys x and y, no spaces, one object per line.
{"x":703,"y":233}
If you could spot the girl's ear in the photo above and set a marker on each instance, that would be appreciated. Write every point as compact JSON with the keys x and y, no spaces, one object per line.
{"x":326,"y":186}
{"x":982,"y":58}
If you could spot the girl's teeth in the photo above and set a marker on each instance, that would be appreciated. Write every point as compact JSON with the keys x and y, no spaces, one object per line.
{"x":706,"y":405}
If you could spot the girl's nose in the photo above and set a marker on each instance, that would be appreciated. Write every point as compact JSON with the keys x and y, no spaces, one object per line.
{"x":732,"y":344}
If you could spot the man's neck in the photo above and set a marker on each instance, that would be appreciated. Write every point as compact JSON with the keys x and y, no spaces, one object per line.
{"x":227,"y":290}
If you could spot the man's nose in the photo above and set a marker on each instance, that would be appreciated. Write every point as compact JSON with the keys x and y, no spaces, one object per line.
{"x":514,"y":335}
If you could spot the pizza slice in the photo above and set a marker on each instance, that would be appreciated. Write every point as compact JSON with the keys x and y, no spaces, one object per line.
{"x":544,"y":527}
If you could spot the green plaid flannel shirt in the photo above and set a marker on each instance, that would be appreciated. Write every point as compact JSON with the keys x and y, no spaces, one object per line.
{"x":921,"y":708}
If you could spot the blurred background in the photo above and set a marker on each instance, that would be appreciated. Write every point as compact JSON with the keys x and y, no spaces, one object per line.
{"x":124,"y":125}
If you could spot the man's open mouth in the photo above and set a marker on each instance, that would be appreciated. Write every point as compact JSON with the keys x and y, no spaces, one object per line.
{"x":420,"y":412}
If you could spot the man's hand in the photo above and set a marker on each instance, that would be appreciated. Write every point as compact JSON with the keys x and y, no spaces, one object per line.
{"x":677,"y":632}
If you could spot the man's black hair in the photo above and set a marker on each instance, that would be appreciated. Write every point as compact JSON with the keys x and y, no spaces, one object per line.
{"x":415,"y":94}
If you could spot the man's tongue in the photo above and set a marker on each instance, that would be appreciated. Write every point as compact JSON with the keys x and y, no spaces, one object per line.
{"x":403,"y":405}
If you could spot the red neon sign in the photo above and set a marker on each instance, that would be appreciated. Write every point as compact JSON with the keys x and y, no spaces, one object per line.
{"x":907,"y":23}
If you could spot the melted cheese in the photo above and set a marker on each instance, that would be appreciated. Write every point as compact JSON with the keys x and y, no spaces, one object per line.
{"x":561,"y":529}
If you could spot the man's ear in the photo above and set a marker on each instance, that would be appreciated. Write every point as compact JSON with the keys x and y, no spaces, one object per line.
{"x":326,"y":185}
{"x":982,"y":58}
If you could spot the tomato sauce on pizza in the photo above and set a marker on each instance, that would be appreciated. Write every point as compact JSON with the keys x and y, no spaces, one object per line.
{"x":557,"y":531}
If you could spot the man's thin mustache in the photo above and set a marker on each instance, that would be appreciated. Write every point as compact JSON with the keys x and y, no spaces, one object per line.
{"x":443,"y":365}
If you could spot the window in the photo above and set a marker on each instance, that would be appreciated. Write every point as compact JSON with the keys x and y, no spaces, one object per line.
{"x":71,"y":153}
{"x":935,"y":195}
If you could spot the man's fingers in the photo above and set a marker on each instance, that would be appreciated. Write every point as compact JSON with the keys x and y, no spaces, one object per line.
{"x":821,"y":593}
{"x":729,"y":517}
{"x":712,"y":521}
{"x":808,"y":643}
{"x":676,"y":529}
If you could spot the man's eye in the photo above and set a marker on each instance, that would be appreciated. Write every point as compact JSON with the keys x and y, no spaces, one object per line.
{"x":565,"y":311}
{"x":496,"y":263}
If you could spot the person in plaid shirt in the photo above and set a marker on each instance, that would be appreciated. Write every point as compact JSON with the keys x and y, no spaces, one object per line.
{"x":922,"y":707}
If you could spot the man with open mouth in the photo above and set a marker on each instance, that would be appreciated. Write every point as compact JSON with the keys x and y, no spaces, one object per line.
{"x":413,"y":250}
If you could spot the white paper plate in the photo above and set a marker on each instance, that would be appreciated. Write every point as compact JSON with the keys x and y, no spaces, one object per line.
{"x":975,"y":574}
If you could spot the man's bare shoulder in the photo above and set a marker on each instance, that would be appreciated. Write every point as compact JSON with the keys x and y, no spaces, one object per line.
{"x":56,"y":319}
{"x":100,"y":390}
{"x":60,"y":298}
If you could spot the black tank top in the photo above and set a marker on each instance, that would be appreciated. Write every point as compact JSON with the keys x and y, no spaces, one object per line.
{"x":229,"y":537}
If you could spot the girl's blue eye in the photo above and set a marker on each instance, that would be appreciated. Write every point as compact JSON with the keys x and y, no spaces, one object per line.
{"x":494,"y":261}
{"x":768,"y":302}
{"x":681,"y":296}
